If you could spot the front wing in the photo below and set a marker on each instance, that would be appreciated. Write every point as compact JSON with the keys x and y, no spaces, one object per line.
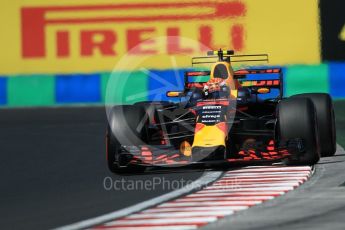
{"x":169,"y":156}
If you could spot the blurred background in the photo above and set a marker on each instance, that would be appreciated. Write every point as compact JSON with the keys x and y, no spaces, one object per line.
{"x":60,"y":52}
{"x":57,"y":52}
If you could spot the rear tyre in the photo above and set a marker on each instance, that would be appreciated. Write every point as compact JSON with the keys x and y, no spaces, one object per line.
{"x":297,"y":119}
{"x":325,"y":120}
{"x":127,"y":126}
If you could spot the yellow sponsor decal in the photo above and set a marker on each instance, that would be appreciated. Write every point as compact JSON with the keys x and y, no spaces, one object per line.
{"x":209,"y":136}
{"x":61,"y":36}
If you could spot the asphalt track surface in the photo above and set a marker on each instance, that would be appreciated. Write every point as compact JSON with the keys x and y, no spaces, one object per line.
{"x":52,"y":169}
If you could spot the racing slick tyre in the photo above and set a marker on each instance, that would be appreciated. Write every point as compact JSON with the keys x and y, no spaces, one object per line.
{"x":297,"y":120}
{"x":325,"y":120}
{"x":127,"y":126}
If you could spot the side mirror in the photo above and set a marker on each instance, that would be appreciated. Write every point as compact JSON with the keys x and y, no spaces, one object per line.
{"x":174,"y":94}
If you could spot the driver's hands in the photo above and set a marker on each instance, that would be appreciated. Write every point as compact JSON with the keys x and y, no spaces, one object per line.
{"x":214,"y":85}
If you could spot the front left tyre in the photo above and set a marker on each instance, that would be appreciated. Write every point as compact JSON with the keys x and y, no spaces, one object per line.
{"x":127,"y":127}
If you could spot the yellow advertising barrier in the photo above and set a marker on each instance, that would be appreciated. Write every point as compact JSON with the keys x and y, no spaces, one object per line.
{"x":62,"y":36}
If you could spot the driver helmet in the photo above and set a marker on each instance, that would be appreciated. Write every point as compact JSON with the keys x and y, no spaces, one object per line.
{"x":215,"y":85}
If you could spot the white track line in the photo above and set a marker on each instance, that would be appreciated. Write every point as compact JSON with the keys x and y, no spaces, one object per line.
{"x":239,"y":185}
{"x":252,"y":198}
{"x":205,"y":179}
{"x":266,"y":177}
{"x":253,"y":179}
{"x":225,"y":196}
{"x":181,"y":214}
{"x":266,"y":173}
{"x":193,"y":209}
{"x":212,"y":203}
{"x":226,"y":189}
{"x":273,"y":169}
{"x":192,"y":220}
{"x":180,"y":227}
{"x":225,"y":193}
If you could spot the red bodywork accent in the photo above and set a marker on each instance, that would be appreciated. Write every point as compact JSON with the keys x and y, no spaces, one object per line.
{"x":220,"y":102}
{"x":223,"y":126}
{"x":244,"y":156}
{"x":196,"y":85}
{"x":257,"y":71}
{"x":270,"y":146}
{"x":198,"y":127}
{"x":260,"y":83}
{"x":198,"y":73}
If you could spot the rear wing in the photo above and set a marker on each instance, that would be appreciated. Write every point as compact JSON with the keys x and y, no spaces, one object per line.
{"x":198,"y":79}
{"x":258,"y":71}
{"x":230,"y":58}
{"x":268,"y":82}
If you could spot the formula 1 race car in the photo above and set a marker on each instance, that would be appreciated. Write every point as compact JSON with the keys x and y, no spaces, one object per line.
{"x":222,"y":117}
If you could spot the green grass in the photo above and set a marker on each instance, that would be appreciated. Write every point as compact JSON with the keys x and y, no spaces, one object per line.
{"x":339,"y":108}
